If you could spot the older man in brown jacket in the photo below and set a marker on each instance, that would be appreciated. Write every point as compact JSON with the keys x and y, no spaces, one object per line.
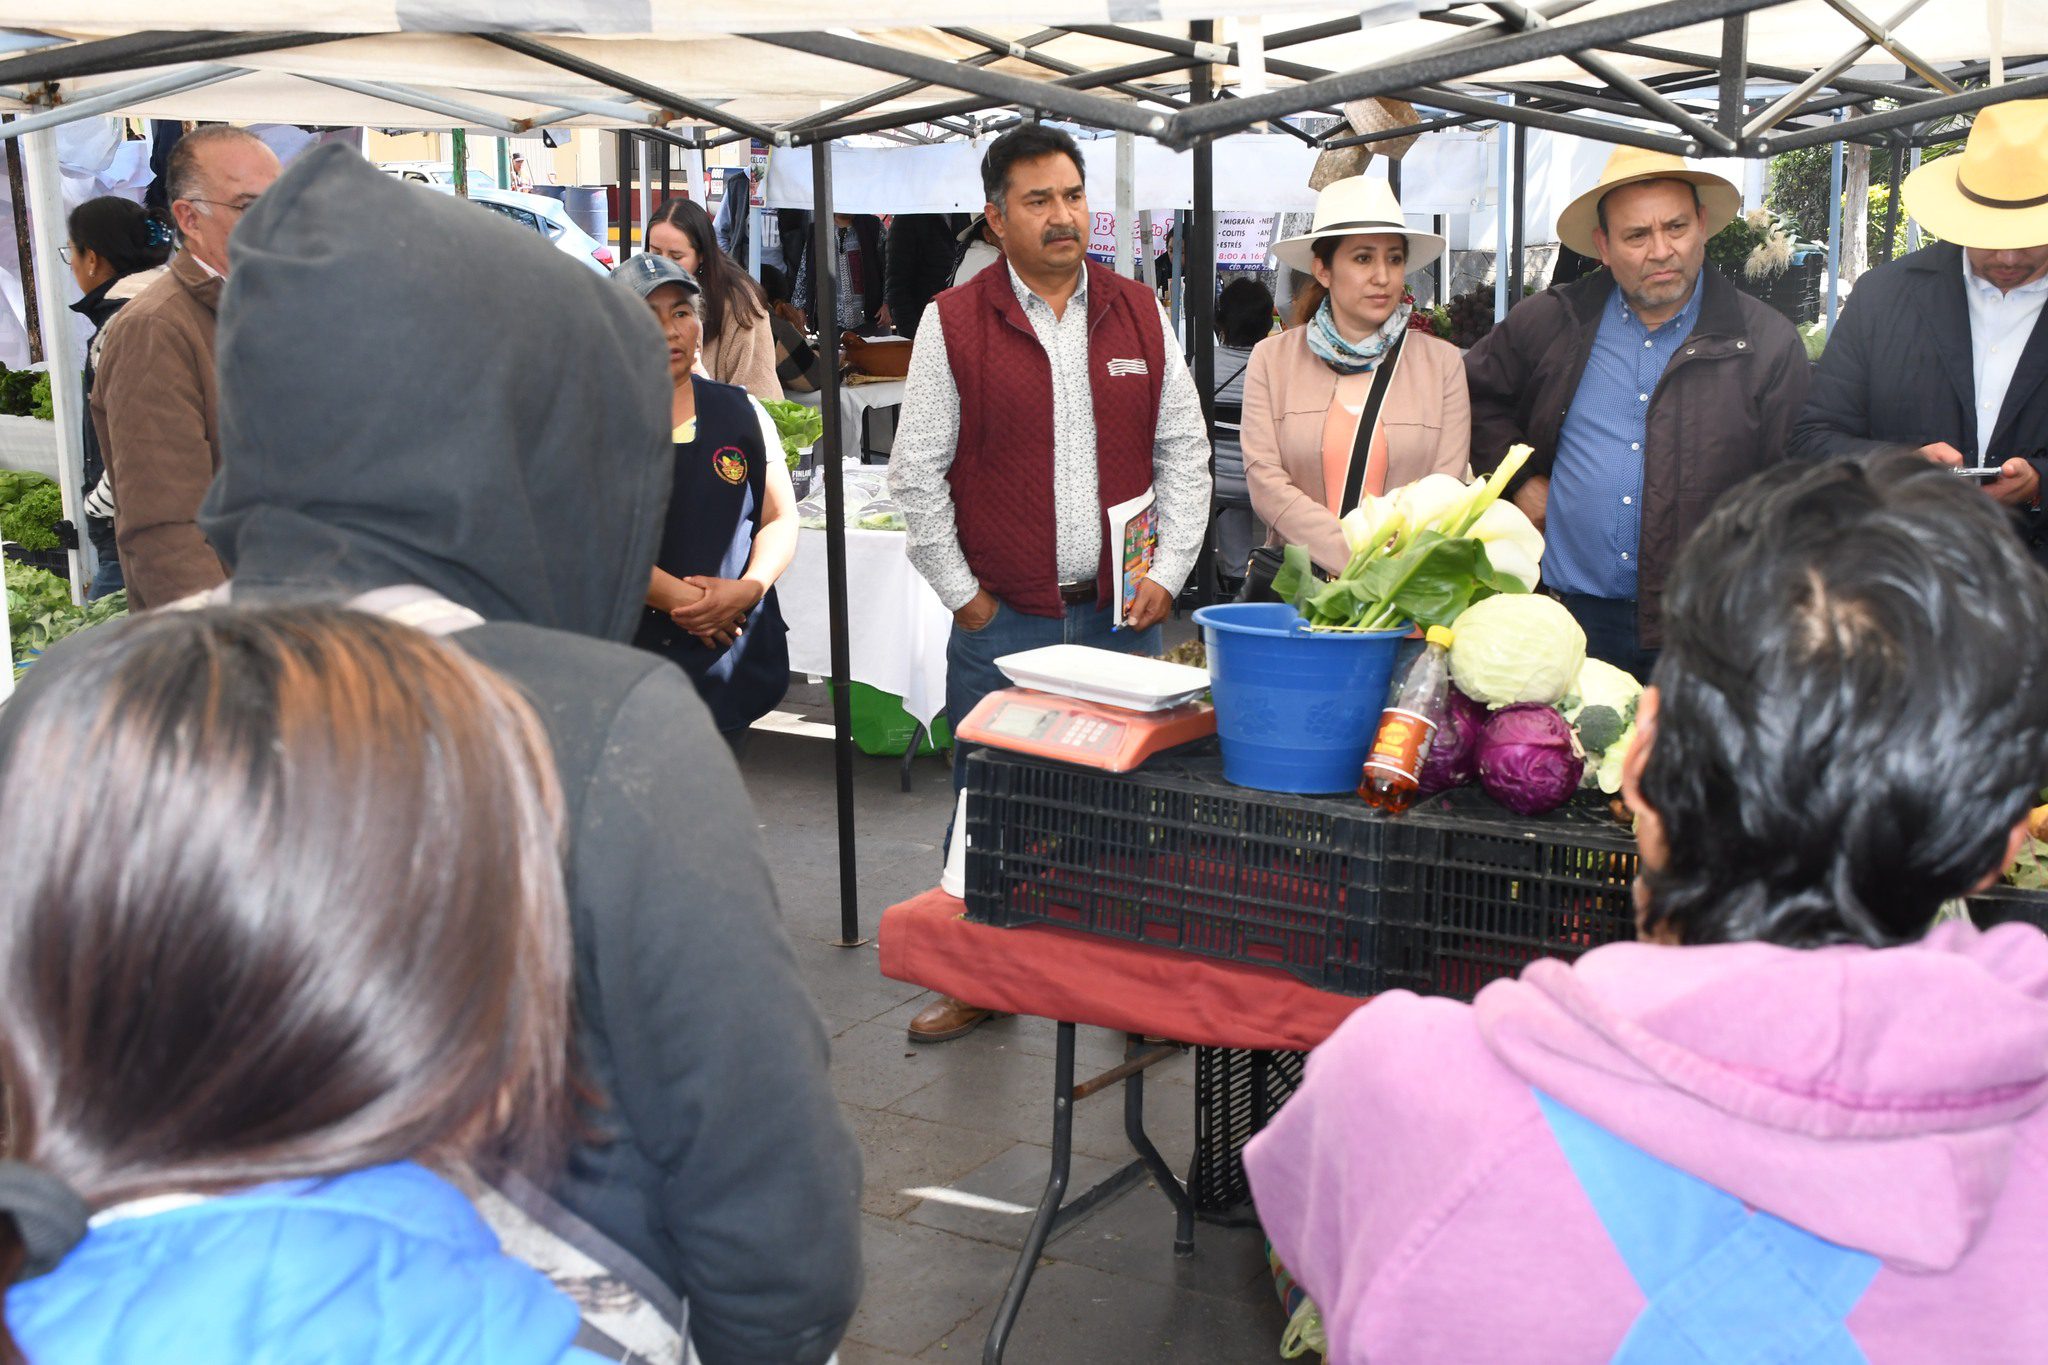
{"x":1648,"y":391}
{"x":154,"y":401}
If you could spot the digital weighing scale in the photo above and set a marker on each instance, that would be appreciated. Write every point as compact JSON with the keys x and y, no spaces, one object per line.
{"x":1091,"y":734}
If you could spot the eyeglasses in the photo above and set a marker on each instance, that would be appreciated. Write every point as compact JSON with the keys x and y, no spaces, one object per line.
{"x":242,"y":207}
{"x":64,"y":253}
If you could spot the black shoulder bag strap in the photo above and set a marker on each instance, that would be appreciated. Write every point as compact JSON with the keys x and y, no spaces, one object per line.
{"x":1368,"y":423}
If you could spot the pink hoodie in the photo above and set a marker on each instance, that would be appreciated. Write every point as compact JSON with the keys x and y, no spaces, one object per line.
{"x":1891,"y":1101}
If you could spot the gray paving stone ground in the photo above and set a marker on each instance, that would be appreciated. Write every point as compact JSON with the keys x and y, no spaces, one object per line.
{"x":975,"y":1115}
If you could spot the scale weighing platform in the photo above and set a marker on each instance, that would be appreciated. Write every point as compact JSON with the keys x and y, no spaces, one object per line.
{"x":1091,"y":734}
{"x":1093,"y":707}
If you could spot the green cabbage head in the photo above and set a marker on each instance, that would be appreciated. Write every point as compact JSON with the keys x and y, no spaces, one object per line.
{"x":1516,"y":647}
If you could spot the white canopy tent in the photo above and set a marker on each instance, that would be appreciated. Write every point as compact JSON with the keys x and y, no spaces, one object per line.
{"x":1666,"y":73}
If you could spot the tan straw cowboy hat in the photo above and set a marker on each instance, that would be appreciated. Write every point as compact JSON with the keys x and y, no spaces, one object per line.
{"x":1359,"y":203}
{"x":1994,"y":196}
{"x":1720,"y":201}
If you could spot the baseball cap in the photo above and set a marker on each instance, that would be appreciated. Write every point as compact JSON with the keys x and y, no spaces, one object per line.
{"x":647,"y":272}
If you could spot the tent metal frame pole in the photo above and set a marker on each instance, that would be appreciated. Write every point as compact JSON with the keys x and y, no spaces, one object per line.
{"x":1521,"y":115}
{"x":622,"y":150}
{"x":1570,"y":100}
{"x":2034,"y":87}
{"x":1525,"y":20}
{"x":136,"y":51}
{"x":631,"y":85}
{"x":1881,"y":36}
{"x":573,"y":105}
{"x":1098,"y":110}
{"x":1891,"y":206}
{"x":1500,"y":220}
{"x":1184,"y":128}
{"x":825,"y":293}
{"x":974,"y":104}
{"x":113,"y":101}
{"x":998,"y":49}
{"x":67,"y":383}
{"x":1782,"y":107}
{"x":1518,"y":226}
{"x":1198,"y":261}
{"x":467,"y":114}
{"x":1834,"y":233}
{"x":1426,"y":126}
{"x":897,"y":91}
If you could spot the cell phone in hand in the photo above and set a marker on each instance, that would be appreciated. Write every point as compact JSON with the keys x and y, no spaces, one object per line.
{"x":1985,"y":472}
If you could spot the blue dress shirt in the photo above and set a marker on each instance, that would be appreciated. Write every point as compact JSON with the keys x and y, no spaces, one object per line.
{"x":1594,"y":519}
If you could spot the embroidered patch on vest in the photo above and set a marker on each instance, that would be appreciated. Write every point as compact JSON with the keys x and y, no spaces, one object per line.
{"x":1138,"y":366}
{"x":730,"y":464}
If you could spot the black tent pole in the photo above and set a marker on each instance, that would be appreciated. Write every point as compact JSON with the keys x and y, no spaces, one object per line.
{"x":1518,"y":242}
{"x":825,"y":296}
{"x":1198,"y":258}
{"x":625,"y":151}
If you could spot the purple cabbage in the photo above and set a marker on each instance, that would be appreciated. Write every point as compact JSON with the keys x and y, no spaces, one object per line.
{"x":1528,"y":760}
{"x":1453,"y":758}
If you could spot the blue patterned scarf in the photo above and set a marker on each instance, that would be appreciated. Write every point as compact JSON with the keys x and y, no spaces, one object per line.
{"x":1346,"y":357}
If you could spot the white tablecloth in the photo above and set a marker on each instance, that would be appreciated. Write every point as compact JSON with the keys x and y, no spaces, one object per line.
{"x":896,"y":626}
{"x":855,"y":399}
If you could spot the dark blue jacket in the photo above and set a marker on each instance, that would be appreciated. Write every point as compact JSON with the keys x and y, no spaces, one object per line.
{"x":389,"y":1266}
{"x":1898,"y":370}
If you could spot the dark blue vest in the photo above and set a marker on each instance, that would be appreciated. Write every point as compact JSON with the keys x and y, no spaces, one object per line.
{"x":721,"y":482}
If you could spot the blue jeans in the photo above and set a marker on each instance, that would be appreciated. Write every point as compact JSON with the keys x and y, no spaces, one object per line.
{"x":106,"y":578}
{"x":971,"y":655}
{"x":1610,"y":626}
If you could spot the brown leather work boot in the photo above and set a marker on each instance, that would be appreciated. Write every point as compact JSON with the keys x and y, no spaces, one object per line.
{"x":946,"y":1019}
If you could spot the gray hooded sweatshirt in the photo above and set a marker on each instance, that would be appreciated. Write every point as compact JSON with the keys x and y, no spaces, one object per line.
{"x":414,"y":391}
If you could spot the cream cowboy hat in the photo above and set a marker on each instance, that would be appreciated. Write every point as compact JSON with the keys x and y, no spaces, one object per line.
{"x":1720,"y":201}
{"x":1994,"y":196}
{"x":1353,"y":205}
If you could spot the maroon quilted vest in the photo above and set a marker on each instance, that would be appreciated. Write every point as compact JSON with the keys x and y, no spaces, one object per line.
{"x":1002,"y":467}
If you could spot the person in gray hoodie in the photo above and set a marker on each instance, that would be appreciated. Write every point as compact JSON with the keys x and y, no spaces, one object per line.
{"x":390,"y":420}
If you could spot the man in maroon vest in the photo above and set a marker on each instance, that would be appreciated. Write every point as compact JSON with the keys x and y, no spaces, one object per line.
{"x":1041,"y":393}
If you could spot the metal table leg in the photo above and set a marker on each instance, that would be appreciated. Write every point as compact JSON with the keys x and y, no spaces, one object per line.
{"x":910,"y":754}
{"x":1162,"y":1174}
{"x":1048,"y":1204}
{"x":1053,"y":1212}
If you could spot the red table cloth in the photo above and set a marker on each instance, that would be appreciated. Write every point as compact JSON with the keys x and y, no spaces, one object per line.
{"x":1064,"y":974}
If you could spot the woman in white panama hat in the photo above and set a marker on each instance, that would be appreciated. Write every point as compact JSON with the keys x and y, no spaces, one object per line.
{"x":1309,"y":451}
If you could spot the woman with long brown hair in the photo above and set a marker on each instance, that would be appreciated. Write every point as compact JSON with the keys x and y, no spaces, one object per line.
{"x":282,"y":939}
{"x":739,"y":345}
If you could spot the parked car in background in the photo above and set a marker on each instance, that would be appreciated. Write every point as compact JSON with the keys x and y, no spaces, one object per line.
{"x":538,"y":213}
{"x":438,"y":173}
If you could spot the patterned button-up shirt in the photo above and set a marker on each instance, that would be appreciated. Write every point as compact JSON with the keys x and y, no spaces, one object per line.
{"x":929,"y":433}
{"x":1594,"y":518}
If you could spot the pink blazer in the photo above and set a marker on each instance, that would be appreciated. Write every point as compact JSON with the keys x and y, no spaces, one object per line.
{"x":1287,"y":394}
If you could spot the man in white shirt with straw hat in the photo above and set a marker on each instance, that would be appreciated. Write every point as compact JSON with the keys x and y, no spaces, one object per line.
{"x":1647,"y":390}
{"x":1943,"y":349}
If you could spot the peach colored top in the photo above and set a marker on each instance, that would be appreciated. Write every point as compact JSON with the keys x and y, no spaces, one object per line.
{"x":1340,"y":433}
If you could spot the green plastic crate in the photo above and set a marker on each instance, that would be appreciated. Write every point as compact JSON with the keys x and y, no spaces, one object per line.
{"x":883,"y":728}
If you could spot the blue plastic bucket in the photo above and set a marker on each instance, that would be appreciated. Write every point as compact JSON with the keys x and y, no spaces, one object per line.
{"x":1296,"y":709}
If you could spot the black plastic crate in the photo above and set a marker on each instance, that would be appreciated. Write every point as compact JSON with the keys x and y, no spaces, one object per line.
{"x":1236,"y":1093}
{"x":1175,"y":857}
{"x":1469,"y":895}
{"x":2004,"y":903}
{"x":1440,"y":901}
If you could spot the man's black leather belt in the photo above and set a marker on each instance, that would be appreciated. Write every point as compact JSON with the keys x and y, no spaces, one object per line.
{"x":1075,"y":593}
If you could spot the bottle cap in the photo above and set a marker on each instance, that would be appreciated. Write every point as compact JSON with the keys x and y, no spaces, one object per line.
{"x":1439,"y":635}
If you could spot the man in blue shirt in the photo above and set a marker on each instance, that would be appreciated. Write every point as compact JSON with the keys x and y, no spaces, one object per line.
{"x":1646,"y":390}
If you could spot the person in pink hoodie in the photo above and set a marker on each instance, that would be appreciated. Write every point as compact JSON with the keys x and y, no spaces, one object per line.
{"x":1791,"y":1123}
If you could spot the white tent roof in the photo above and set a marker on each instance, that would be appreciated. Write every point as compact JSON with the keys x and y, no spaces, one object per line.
{"x":696,"y":49}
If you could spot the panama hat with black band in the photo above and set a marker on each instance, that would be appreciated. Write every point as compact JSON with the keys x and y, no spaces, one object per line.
{"x":1357,"y":205}
{"x":1994,"y":195}
{"x":1719,"y":200}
